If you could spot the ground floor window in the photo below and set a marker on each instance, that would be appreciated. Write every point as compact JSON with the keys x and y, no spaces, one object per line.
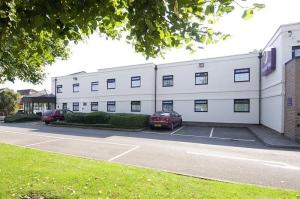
{"x":241,"y":105}
{"x":201,"y":106}
{"x":167,"y":105}
{"x":94,"y":106}
{"x":111,"y":106}
{"x":75,"y":106}
{"x":135,"y":106}
{"x":65,"y":106}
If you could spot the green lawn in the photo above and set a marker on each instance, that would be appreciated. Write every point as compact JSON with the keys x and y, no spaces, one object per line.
{"x":24,"y":171}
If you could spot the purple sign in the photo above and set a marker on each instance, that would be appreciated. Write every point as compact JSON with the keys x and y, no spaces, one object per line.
{"x":268,"y":62}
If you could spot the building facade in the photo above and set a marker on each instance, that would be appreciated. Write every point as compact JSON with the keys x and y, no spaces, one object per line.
{"x":247,"y":88}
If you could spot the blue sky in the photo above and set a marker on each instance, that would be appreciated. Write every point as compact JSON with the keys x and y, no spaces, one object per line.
{"x":246,"y":36}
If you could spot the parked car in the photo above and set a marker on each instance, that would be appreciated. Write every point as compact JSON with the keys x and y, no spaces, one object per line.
{"x":54,"y":115}
{"x":165,"y":119}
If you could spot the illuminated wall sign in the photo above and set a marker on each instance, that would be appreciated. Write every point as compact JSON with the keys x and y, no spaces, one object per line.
{"x":268,"y":62}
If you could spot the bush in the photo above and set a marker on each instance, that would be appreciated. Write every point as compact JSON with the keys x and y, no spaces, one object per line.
{"x":21,"y":118}
{"x":130,"y":121}
{"x":87,"y":118}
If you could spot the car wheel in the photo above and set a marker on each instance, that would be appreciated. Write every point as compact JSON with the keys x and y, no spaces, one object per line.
{"x":46,"y":122}
{"x":180,"y":123}
{"x":172,"y":126}
{"x":151,"y":127}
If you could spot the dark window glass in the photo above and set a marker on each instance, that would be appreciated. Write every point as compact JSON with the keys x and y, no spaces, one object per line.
{"x":75,"y":106}
{"x":75,"y":88}
{"x":135,"y":106}
{"x":94,"y":86}
{"x":111,"y":106}
{"x":135,"y":82}
{"x":295,"y":51}
{"x":242,"y":75}
{"x":201,"y":78}
{"x":241,"y":105}
{"x":201,"y":106}
{"x":168,"y":80}
{"x":111,"y":83}
{"x":59,"y":89}
{"x":65,"y":106}
{"x":167,"y":106}
{"x":94,"y":106}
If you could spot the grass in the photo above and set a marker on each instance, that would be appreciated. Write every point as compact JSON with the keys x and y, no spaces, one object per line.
{"x":31,"y":172}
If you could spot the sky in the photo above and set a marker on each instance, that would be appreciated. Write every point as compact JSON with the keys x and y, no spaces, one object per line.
{"x":246,"y":36}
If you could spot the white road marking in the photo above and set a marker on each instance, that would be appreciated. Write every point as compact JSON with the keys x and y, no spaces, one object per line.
{"x":124,"y":153}
{"x":218,"y":138}
{"x":211,"y":132}
{"x":47,"y":141}
{"x":176,"y":130}
{"x":264,"y":162}
{"x":66,"y":138}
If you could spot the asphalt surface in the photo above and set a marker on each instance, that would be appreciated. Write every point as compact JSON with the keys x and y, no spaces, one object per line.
{"x":229,"y":154}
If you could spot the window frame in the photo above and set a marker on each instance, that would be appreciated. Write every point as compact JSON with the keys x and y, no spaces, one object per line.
{"x":57,"y":87}
{"x":74,"y":85}
{"x":198,"y":102}
{"x":167,"y":101}
{"x":163,"y":79}
{"x":139,"y":105}
{"x":139,"y":79}
{"x":234,"y":103}
{"x":94,"y":84}
{"x":66,"y":106}
{"x":107,"y":82}
{"x":97,"y":104}
{"x":111,"y":103}
{"x":235,"y":72}
{"x":294,"y":48}
{"x":199,"y":73}
{"x":76,"y":105}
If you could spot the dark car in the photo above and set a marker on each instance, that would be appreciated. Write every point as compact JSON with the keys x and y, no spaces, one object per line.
{"x":54,"y":115}
{"x":165,"y":119}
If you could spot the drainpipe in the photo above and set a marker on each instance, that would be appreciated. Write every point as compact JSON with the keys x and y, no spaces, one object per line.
{"x":55,"y":82}
{"x":259,"y":90}
{"x":155,"y":86}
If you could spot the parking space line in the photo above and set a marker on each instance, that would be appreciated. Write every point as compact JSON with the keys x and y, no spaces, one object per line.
{"x":124,"y":153}
{"x":176,"y":130}
{"x":211,"y":132}
{"x":47,"y":141}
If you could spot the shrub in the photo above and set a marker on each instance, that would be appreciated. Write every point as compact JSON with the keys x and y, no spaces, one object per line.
{"x":21,"y":118}
{"x":130,"y":121}
{"x":87,"y":118}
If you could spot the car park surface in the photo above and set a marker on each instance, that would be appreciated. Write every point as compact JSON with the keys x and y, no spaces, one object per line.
{"x":229,"y":154}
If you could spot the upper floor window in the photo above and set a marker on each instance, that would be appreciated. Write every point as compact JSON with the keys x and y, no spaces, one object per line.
{"x":111,"y":106}
{"x":94,"y":106}
{"x":75,"y":88}
{"x":201,"y":78}
{"x":59,"y":89}
{"x":111,"y":83}
{"x":295,"y":51}
{"x":75,"y":106}
{"x":242,"y":105}
{"x":135,"y":106}
{"x":168,"y":80}
{"x":94,"y":86}
{"x":242,"y":75}
{"x":167,"y":106}
{"x":201,"y":106}
{"x":135,"y":81}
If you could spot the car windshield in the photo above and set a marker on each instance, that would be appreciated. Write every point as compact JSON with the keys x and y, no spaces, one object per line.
{"x":160,"y":113}
{"x":47,"y":112}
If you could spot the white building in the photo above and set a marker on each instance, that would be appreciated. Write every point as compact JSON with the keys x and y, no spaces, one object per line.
{"x":229,"y":89}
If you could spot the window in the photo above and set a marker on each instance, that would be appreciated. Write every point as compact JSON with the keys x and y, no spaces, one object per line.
{"x":94,"y":86}
{"x":242,"y":75}
{"x":75,"y":106}
{"x":167,"y":80}
{"x":94,"y":106}
{"x":111,"y":83}
{"x":136,"y":82}
{"x":295,"y":51}
{"x":135,"y":106}
{"x":65,"y":106}
{"x":201,"y":106}
{"x":167,"y":106}
{"x":201,"y":78}
{"x":75,"y":88}
{"x":59,"y":89}
{"x":111,"y":106}
{"x":241,"y":105}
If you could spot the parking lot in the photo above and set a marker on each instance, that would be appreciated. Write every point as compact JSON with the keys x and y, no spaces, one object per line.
{"x":211,"y":152}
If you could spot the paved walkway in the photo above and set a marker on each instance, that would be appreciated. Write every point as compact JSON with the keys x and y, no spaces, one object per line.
{"x":272,"y":138}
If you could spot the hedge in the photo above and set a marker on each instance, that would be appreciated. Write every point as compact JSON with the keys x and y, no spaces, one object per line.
{"x":21,"y":118}
{"x":118,"y":120}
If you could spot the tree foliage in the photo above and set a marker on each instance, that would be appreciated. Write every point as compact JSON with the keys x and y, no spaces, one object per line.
{"x":8,"y":101}
{"x":33,"y":33}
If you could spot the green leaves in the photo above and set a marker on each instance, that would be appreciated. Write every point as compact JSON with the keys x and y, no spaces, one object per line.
{"x":36,"y":33}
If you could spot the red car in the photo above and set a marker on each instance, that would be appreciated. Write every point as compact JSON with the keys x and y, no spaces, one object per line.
{"x":165,"y":119}
{"x":54,"y":115}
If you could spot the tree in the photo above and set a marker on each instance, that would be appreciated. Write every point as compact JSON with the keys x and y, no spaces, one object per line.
{"x":8,"y":101}
{"x":34,"y":33}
